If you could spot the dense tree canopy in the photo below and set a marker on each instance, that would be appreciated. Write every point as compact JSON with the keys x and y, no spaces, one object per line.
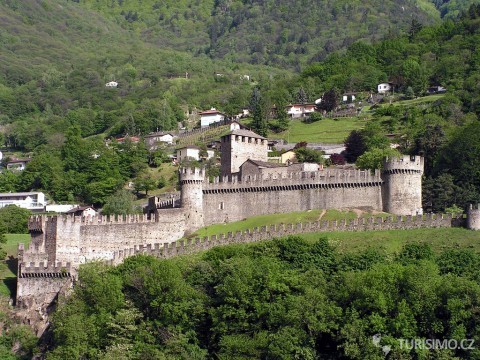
{"x":281,"y":299}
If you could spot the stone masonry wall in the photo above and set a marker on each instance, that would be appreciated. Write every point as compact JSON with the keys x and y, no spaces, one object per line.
{"x":403,"y":185}
{"x":276,"y":231}
{"x":80,"y":240}
{"x":237,"y":149}
{"x":236,"y":200}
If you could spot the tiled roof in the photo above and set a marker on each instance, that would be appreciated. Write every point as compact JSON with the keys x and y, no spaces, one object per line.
{"x":211,"y":112}
{"x":248,"y":133}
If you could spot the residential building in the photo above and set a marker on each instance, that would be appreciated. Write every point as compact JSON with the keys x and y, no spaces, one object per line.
{"x":384,"y":88}
{"x":348,"y":97}
{"x":153,"y":140}
{"x":34,"y":201}
{"x":59,"y":208}
{"x":133,"y":139}
{"x":211,"y":116}
{"x":17,"y":164}
{"x":85,"y":211}
{"x":190,"y":151}
{"x":300,"y":110}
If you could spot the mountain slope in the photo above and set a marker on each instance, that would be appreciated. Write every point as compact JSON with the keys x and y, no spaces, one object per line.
{"x":276,"y":32}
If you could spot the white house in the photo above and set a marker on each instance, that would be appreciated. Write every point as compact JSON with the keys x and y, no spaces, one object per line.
{"x":193,"y":152}
{"x":17,"y":164}
{"x":210,"y":117}
{"x":153,"y":139}
{"x":384,"y":88}
{"x":210,"y":153}
{"x":190,"y":151}
{"x":111,"y":84}
{"x":34,"y":201}
{"x":235,"y":125}
{"x":300,"y":110}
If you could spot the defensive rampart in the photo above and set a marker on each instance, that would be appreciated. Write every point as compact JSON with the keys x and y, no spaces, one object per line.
{"x":234,"y":199}
{"x":61,"y":243}
{"x":190,"y":246}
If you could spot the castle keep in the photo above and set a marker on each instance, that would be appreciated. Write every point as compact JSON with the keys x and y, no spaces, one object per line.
{"x":61,"y":244}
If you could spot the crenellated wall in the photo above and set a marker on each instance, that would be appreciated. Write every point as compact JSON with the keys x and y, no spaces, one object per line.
{"x":190,"y":246}
{"x":40,"y":282}
{"x":236,"y":200}
{"x":61,"y":243}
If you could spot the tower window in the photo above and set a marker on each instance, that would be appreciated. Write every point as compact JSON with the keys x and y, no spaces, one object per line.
{"x":221,"y":206}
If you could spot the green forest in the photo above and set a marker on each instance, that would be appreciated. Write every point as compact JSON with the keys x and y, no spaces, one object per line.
{"x":280,"y":299}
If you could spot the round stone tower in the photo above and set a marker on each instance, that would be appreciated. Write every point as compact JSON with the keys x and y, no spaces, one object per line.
{"x":473,"y":217}
{"x":402,"y":189}
{"x":191,"y":199}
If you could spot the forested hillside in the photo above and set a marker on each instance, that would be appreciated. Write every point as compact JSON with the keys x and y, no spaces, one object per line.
{"x":57,"y":57}
{"x":281,"y":299}
{"x":279,"y":33}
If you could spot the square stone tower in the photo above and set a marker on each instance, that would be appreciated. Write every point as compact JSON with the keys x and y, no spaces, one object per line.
{"x":240,"y":145}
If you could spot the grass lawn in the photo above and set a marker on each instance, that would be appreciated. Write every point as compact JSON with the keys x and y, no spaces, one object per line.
{"x":274,"y":219}
{"x":323,"y":131}
{"x":169,"y":173}
{"x":8,"y":267}
{"x":417,"y":101}
{"x":258,"y":221}
{"x":392,"y":241}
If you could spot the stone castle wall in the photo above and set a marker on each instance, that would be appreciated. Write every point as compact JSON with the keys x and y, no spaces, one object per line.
{"x":403,"y":185}
{"x":74,"y":240}
{"x":277,"y":231}
{"x":61,"y":243}
{"x":236,"y":200}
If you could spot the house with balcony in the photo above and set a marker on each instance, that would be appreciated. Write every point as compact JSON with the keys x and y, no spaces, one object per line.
{"x":34,"y":201}
{"x":300,"y":110}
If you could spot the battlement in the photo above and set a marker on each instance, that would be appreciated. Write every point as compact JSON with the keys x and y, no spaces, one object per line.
{"x":474,"y":207}
{"x":38,"y":222}
{"x":190,"y":246}
{"x":404,"y":165}
{"x":191,"y":175}
{"x":328,"y":178}
{"x":44,"y":269}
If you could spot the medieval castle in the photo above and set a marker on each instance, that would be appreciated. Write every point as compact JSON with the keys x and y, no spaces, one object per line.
{"x":249,"y":186}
